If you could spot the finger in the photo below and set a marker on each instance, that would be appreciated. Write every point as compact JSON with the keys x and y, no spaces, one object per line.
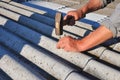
{"x":59,"y":44}
{"x":62,"y":39}
{"x":65,"y":18}
{"x":66,"y":49}
{"x":62,"y":46}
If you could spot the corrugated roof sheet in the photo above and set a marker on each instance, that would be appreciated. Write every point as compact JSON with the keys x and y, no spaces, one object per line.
{"x":28,"y":48}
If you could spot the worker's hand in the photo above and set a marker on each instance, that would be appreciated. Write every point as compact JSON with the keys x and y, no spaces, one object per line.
{"x":68,"y":44}
{"x":77,"y":14}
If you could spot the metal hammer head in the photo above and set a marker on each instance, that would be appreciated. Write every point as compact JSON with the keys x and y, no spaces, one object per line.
{"x":59,"y":22}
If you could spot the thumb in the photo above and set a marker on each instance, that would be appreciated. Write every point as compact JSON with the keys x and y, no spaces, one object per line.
{"x":65,"y":17}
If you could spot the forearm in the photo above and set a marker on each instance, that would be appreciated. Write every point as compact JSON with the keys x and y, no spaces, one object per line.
{"x":95,"y":38}
{"x":92,"y":5}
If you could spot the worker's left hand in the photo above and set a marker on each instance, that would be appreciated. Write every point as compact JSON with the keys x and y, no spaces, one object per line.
{"x":68,"y":44}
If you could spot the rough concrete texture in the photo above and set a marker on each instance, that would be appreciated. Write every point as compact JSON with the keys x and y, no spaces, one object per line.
{"x":102,"y":71}
{"x":42,"y":60}
{"x":30,"y":33}
{"x":111,"y":59}
{"x":74,"y":76}
{"x":15,"y":68}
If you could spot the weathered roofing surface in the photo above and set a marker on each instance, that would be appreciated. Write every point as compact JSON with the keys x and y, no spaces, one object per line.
{"x":28,"y":48}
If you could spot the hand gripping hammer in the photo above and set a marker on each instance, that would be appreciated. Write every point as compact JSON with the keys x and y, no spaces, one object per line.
{"x":59,"y":23}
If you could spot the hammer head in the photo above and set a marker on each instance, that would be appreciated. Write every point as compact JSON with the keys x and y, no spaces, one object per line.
{"x":59,"y":22}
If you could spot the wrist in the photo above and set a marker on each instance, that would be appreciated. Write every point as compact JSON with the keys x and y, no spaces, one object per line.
{"x":80,"y":46}
{"x":81,"y":12}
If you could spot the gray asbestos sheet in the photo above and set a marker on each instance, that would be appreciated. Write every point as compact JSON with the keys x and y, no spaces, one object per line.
{"x":117,"y":47}
{"x":102,"y":71}
{"x":15,"y":68}
{"x":25,"y":7}
{"x":33,"y":15}
{"x":111,"y":57}
{"x":51,"y":65}
{"x":75,"y":76}
{"x":45,"y":42}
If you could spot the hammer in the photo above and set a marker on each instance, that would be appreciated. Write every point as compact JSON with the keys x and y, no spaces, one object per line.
{"x":59,"y":23}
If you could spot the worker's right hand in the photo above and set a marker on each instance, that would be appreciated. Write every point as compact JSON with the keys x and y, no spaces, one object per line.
{"x":77,"y":14}
{"x":69,"y":44}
